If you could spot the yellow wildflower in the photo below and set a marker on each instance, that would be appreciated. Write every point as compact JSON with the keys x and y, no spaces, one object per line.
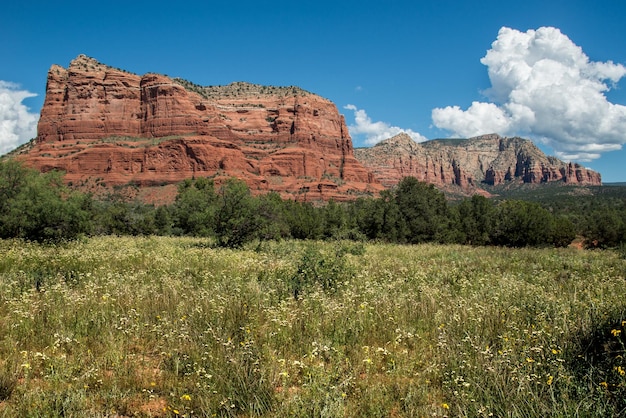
{"x":550,"y":379}
{"x":445,"y":406}
{"x":185,"y":397}
{"x":616,"y":332}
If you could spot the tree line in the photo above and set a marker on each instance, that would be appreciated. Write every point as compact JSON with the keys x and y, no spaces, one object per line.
{"x":39,"y":207}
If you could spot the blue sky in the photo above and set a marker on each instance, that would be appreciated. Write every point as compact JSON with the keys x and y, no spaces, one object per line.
{"x":551,"y":71}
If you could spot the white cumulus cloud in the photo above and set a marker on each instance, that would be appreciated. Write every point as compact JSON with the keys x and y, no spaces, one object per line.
{"x":17,"y":124}
{"x":376,"y":131}
{"x":544,"y":86}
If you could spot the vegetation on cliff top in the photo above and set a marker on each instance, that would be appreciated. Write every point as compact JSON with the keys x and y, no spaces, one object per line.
{"x":240,"y":89}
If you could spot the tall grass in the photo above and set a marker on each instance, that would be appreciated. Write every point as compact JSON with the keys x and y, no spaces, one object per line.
{"x":172,"y":327}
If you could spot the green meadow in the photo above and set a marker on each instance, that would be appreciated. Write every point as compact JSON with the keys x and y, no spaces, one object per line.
{"x":171,"y":326}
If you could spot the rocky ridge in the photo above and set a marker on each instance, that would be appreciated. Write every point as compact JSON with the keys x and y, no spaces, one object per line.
{"x":469,"y":164}
{"x":118,"y":127}
{"x":105,"y":125}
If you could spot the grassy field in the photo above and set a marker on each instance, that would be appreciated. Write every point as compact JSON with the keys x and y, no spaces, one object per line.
{"x":112,"y":327}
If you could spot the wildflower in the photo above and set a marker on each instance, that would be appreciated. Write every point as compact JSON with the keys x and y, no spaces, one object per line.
{"x":185,"y":397}
{"x":367,"y":361}
{"x":445,"y":406}
{"x":550,"y":379}
{"x":604,"y":385}
{"x":344,"y":395}
{"x":620,"y":370}
{"x":616,"y":332}
{"x":530,"y":360}
{"x":555,"y":351}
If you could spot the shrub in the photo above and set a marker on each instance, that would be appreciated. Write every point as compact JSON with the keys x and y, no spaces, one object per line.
{"x":39,"y":207}
{"x":519,"y":223}
{"x":327,"y":268}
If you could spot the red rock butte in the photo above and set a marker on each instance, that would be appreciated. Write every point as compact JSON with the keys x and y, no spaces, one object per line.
{"x":98,"y":122}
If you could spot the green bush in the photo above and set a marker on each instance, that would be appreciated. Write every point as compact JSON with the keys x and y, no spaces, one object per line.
{"x":237,"y":219}
{"x":518,"y":223}
{"x":327,"y":268}
{"x":38,"y":207}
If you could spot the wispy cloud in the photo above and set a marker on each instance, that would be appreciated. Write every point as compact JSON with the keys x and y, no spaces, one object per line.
{"x":375,"y":132}
{"x":17,"y":123}
{"x":544,"y":86}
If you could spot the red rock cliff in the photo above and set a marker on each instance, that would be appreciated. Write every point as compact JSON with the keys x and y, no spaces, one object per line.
{"x":104,"y":123}
{"x":469,"y":163}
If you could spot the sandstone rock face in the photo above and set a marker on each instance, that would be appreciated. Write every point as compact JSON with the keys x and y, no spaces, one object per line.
{"x":119,"y":128}
{"x":469,"y":163}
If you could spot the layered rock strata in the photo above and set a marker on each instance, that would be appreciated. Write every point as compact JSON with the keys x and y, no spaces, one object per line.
{"x":469,"y":163}
{"x":102,"y":123}
{"x":108,"y":126}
